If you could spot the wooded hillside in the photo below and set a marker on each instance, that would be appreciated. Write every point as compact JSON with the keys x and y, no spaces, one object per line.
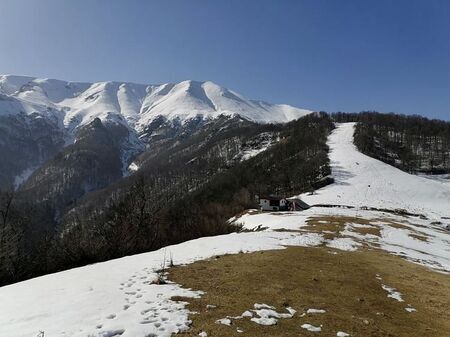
{"x":412,"y":143}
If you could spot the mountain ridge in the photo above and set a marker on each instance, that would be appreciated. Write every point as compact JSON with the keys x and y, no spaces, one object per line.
{"x":76,"y":104}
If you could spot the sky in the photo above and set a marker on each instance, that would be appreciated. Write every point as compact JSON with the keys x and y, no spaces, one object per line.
{"x":353,"y":55}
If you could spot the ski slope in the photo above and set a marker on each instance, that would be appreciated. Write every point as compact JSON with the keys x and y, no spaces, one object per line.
{"x":364,"y":181}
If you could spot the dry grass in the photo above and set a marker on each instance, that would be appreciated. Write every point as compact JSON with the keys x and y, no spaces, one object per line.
{"x":419,"y":237}
{"x":367,"y":230}
{"x":332,"y":226}
{"x":344,"y":284}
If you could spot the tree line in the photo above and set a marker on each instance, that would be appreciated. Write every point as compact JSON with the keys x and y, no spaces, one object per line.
{"x":187,"y":191}
{"x":412,"y":143}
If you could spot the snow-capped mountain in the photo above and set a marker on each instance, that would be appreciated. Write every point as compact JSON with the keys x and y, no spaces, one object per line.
{"x":40,"y":118}
{"x":76,"y":104}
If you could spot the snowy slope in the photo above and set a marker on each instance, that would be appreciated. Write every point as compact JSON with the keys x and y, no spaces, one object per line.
{"x":134,"y":105}
{"x":398,"y":235}
{"x":363,"y":181}
{"x":115,"y":298}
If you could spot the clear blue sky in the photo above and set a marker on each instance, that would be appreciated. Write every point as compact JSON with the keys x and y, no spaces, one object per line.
{"x":323,"y":55}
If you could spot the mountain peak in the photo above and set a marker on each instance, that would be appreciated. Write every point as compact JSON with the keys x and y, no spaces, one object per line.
{"x":135,"y":105}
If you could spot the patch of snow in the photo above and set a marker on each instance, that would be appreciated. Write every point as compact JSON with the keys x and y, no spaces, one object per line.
{"x":258,"y":306}
{"x":247,"y":313}
{"x":268,"y":315}
{"x":276,"y":220}
{"x":291,"y":310}
{"x":133,"y":167}
{"x":410,"y":309}
{"x":346,"y":244}
{"x":250,"y":153}
{"x":264,"y":320}
{"x":393,"y":293}
{"x":203,"y":334}
{"x":311,"y":328}
{"x":264,"y":315}
{"x":22,"y":177}
{"x":224,"y":321}
{"x":342,"y":334}
{"x":315,"y":311}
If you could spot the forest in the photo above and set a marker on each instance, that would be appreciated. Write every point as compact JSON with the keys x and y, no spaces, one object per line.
{"x":411,"y":143}
{"x":183,"y":191}
{"x":190,"y":186}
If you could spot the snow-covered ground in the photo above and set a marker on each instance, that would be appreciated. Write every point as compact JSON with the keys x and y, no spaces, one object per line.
{"x":363,"y":181}
{"x":412,"y":238}
{"x":117,"y":298}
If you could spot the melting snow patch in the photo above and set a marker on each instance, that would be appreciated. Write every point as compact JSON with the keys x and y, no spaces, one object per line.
{"x":291,"y":310}
{"x":264,"y":320}
{"x":262,"y":306}
{"x":410,"y":308}
{"x":304,"y":240}
{"x":393,"y":293}
{"x":346,"y":244}
{"x":133,"y":167}
{"x":267,"y":314}
{"x":203,"y":334}
{"x":311,"y":328}
{"x":315,"y":311}
{"x":224,"y":321}
{"x":247,"y":314}
{"x":342,"y":334}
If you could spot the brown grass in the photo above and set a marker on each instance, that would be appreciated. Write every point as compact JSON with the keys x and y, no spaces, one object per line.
{"x":367,"y":230}
{"x":332,"y":226}
{"x":419,"y":237}
{"x":343,"y":284}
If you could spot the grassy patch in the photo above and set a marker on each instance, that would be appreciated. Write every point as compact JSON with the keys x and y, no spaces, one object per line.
{"x":419,"y":237}
{"x":344,"y":284}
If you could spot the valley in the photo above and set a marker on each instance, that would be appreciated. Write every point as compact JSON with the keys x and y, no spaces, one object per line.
{"x":366,"y":271}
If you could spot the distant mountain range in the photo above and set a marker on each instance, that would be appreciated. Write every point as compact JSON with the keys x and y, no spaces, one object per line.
{"x":39,"y":118}
{"x":75,"y":104}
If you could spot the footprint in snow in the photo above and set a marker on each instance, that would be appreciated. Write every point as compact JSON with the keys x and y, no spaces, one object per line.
{"x":112,"y":333}
{"x":112,"y":316}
